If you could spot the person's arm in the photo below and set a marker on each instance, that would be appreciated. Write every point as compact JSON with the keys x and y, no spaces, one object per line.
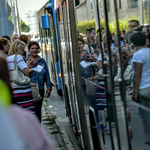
{"x":136,"y":80}
{"x":48,"y":82}
{"x":98,"y":64}
{"x":116,"y":56}
{"x":22,"y":65}
{"x":27,"y":71}
{"x":126,"y":52}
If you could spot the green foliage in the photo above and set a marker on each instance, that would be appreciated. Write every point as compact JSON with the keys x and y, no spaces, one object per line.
{"x":123,"y":24}
{"x":10,"y":18}
{"x":24,"y":27}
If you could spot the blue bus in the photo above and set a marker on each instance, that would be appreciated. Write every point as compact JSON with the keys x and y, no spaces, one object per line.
{"x":101,"y":119}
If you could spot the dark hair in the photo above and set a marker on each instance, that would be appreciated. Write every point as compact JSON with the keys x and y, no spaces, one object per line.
{"x":81,"y":40}
{"x":91,"y":29}
{"x":33,"y":43}
{"x":138,"y":39}
{"x":24,"y":38}
{"x":148,"y":36}
{"x":87,"y":30}
{"x":113,"y":34}
{"x":98,"y":30}
{"x":123,"y":31}
{"x":137,"y":29}
{"x":94,"y":46}
{"x":134,"y":21}
{"x":4,"y":73}
{"x":3,"y":41}
{"x":6,"y":37}
{"x":101,"y":29}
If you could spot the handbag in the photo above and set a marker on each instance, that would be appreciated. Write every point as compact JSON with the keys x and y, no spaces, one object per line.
{"x":35,"y":92}
{"x":100,"y":72}
{"x":128,"y":73}
{"x":18,"y":76}
{"x":91,"y":87}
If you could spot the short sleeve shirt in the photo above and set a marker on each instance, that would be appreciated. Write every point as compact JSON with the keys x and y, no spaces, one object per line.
{"x":20,"y":63}
{"x":143,"y":56}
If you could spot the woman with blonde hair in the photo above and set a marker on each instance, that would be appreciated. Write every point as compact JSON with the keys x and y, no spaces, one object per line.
{"x":4,"y":47}
{"x":22,"y":95}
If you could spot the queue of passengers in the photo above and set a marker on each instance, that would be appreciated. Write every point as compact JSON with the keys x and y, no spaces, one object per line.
{"x":22,"y":53}
{"x":135,"y":51}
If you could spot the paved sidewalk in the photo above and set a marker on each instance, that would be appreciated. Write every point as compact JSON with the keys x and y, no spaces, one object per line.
{"x":57,"y":125}
{"x":52,"y":130}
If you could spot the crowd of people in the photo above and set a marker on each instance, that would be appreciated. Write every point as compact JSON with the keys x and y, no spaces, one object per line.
{"x":25,"y":112}
{"x":135,"y":51}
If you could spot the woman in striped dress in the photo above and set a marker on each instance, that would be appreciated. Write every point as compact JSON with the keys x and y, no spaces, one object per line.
{"x":22,"y":95}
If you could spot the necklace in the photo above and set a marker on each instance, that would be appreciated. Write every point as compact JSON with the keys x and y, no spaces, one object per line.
{"x":34,"y":59}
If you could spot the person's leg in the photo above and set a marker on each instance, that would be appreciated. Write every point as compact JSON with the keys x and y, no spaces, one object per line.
{"x":38,"y":105}
{"x":144,"y":99}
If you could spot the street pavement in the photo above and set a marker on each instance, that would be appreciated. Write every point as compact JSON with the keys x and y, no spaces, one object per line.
{"x":56,"y":123}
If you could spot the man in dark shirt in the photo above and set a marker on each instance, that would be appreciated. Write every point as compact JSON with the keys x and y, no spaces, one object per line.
{"x":132,"y":24}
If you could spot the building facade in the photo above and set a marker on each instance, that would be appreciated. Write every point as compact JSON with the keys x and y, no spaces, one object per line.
{"x":32,"y":21}
{"x":125,"y":8}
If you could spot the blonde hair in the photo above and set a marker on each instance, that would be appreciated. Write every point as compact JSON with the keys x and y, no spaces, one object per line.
{"x":15,"y":49}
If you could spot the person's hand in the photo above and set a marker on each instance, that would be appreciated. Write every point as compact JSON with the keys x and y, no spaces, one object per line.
{"x":91,"y":78}
{"x":95,"y":56}
{"x":28,"y":63}
{"x":48,"y":92}
{"x":134,"y":97}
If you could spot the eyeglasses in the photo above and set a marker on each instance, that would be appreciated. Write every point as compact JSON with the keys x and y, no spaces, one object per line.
{"x":131,"y":26}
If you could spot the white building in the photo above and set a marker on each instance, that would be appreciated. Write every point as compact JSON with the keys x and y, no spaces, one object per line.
{"x":32,"y":22}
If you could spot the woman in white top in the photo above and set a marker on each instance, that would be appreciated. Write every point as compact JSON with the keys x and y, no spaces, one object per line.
{"x":4,"y":47}
{"x":22,"y":95}
{"x":141,"y":79}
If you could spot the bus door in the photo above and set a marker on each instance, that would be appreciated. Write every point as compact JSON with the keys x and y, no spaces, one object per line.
{"x":97,"y":76}
{"x":53,"y":49}
{"x":139,"y":112}
{"x":65,"y":50}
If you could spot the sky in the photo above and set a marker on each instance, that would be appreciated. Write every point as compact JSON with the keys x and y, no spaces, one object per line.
{"x":25,"y":5}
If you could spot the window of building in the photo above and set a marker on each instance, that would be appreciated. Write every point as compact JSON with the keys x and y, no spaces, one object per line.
{"x":133,"y":3}
{"x":108,"y":5}
{"x":120,"y":6}
{"x":77,"y":2}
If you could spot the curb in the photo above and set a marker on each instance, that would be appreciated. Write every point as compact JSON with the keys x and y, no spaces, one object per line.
{"x":65,"y":129}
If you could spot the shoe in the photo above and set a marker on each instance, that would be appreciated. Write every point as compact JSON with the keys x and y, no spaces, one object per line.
{"x":118,"y":76}
{"x":128,"y":73}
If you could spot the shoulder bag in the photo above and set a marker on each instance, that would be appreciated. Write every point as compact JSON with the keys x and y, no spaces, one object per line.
{"x":18,"y":76}
{"x":35,"y":92}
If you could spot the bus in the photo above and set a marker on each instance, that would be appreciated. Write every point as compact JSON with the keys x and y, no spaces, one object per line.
{"x":101,"y":118}
{"x":49,"y":47}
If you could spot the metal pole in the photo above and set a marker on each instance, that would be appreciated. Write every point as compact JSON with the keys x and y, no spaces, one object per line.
{"x":141,"y":12}
{"x":12,"y":14}
{"x":95,"y":9}
{"x":18,"y":19}
{"x":77,"y":76}
{"x":15,"y":27}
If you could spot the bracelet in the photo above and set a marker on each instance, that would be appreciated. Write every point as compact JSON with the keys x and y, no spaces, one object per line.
{"x":134,"y":92}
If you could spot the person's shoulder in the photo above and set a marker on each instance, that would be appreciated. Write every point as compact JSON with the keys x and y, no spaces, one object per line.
{"x":41,"y":60}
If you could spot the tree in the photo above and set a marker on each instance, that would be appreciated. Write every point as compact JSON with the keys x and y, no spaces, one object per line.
{"x":24,"y":27}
